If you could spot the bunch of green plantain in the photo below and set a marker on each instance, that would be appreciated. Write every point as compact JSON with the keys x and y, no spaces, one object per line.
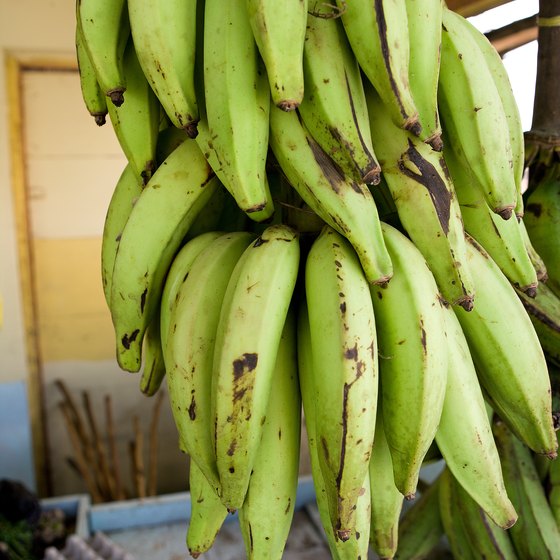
{"x":322,"y":221}
{"x":446,"y":517}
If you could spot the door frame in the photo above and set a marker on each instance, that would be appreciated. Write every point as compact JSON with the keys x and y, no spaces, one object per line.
{"x":16,"y":64}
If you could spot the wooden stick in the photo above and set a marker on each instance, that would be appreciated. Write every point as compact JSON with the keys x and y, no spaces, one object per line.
{"x":133,"y":466}
{"x":102,"y":470}
{"x":114,"y":456}
{"x":514,"y":34}
{"x":139,"y":458}
{"x":152,"y":473}
{"x":75,"y":418}
{"x":74,"y":414}
{"x":73,"y":465}
{"x":80,"y":459}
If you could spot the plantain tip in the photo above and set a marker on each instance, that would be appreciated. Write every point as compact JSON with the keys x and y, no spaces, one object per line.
{"x":505,"y":212}
{"x":435,"y":142}
{"x":343,"y":534}
{"x":530,"y":291}
{"x":509,"y":523}
{"x":288,"y":105}
{"x":116,"y":96}
{"x":412,"y":124}
{"x":191,"y":129}
{"x":373,"y":176}
{"x":99,"y":119}
{"x":466,"y":302}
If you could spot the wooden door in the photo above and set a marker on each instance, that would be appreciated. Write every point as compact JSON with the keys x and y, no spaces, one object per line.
{"x":71,"y":167}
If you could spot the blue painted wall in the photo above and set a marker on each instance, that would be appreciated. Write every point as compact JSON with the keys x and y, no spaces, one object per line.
{"x":16,"y":451}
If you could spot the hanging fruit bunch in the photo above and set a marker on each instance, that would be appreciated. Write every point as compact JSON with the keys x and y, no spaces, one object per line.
{"x":322,"y":209}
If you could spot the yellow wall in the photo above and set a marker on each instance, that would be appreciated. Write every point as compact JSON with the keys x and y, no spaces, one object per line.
{"x":73,"y":315}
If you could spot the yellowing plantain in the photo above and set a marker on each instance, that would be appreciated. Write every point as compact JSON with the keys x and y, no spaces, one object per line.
{"x":378,"y":34}
{"x":233,"y":127}
{"x":92,"y":94}
{"x":136,"y":123}
{"x":502,"y":239}
{"x":272,"y":22}
{"x":105,"y":30}
{"x":464,"y":435}
{"x":413,"y":358}
{"x":191,"y":337}
{"x":334,"y":108}
{"x":507,"y":355}
{"x":424,"y":33}
{"x":125,"y":194}
{"x":358,"y":543}
{"x":473,"y":115}
{"x":426,"y":204}
{"x":164,"y":33}
{"x":346,"y":206}
{"x":178,"y":190}
{"x":207,"y":513}
{"x":251,"y":321}
{"x":344,"y":345}
{"x":386,"y":500}
{"x":267,"y":512}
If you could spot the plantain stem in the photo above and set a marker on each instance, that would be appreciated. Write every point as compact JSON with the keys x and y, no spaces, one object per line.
{"x":544,"y":136}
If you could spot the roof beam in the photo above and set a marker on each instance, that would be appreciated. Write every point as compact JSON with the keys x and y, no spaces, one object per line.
{"x":470,"y":8}
{"x":514,"y":35}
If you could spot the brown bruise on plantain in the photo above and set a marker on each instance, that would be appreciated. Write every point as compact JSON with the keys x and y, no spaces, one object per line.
{"x":540,"y":315}
{"x":128,"y":339}
{"x":148,"y":390}
{"x":242,"y":381}
{"x":251,"y":544}
{"x":534,"y":208}
{"x":192,"y":408}
{"x":143,"y":301}
{"x":423,"y":337}
{"x":410,"y":123}
{"x":351,"y":354}
{"x":259,"y":241}
{"x":256,"y":207}
{"x":371,"y":174}
{"x":331,"y":171}
{"x":432,"y":181}
{"x":232,"y":448}
{"x":247,"y":363}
